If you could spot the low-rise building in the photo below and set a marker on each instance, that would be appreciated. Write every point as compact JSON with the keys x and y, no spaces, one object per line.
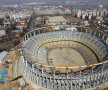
{"x":2,"y":32}
{"x":57,"y":20}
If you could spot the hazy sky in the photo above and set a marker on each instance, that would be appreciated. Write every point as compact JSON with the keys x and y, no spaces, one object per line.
{"x":20,"y":1}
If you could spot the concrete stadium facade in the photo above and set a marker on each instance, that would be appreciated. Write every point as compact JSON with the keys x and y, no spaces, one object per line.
{"x":38,"y":72}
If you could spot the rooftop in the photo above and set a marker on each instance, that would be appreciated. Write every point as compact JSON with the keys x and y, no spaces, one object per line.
{"x":57,"y":19}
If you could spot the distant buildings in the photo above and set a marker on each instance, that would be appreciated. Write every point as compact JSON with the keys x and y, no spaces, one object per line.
{"x":25,"y":12}
{"x":8,"y":5}
{"x":89,"y":14}
{"x":55,"y":20}
{"x":52,"y":11}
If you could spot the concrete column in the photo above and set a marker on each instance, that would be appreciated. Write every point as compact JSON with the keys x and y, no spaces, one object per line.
{"x":34,"y":33}
{"x":44,"y":30}
{"x":42,"y":70}
{"x":26,"y":63}
{"x":25,"y":71}
{"x":71,"y":83}
{"x":50,"y":81}
{"x":39,"y":32}
{"x":86,"y":31}
{"x":54,"y":77}
{"x":94,"y":34}
{"x":103,"y":37}
{"x":28,"y":74}
{"x":33,"y":67}
{"x":27,"y":37}
{"x":99,"y":35}
{"x":80,"y":72}
{"x":40,"y":80}
{"x":92,"y":69}
{"x":23,"y":39}
{"x":107,"y":41}
{"x":32,"y":77}
{"x":30,"y":34}
{"x":35,"y":79}
{"x":90,"y":32}
{"x":81,"y":29}
{"x":67,"y":71}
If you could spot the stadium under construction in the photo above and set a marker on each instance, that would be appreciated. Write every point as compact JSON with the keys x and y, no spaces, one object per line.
{"x":63,"y":59}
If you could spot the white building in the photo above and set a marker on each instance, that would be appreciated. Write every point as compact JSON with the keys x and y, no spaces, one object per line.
{"x":2,"y":33}
{"x":57,"y":20}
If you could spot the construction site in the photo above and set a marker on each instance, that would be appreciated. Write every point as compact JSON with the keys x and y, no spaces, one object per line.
{"x":57,"y":60}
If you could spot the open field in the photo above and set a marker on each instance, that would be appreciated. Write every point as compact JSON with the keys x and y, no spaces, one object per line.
{"x":6,"y":46}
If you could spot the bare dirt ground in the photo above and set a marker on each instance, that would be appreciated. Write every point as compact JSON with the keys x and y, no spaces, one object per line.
{"x":7,"y":85}
{"x":13,"y":68}
{"x":6,"y":46}
{"x":72,"y":19}
{"x":65,"y":57}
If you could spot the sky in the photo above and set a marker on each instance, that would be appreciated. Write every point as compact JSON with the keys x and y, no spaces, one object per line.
{"x":21,"y":1}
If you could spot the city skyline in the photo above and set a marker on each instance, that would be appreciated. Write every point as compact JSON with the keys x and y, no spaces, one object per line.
{"x":24,"y":1}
